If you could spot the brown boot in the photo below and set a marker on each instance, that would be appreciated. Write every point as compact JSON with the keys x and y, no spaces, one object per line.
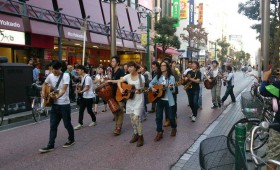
{"x":166,"y":123}
{"x":134,"y":138}
{"x":140,"y":141}
{"x":158,"y":137}
{"x":173,"y":132}
{"x":117,"y":131}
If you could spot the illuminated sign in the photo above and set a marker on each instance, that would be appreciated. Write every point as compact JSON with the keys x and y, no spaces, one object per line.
{"x":12,"y":37}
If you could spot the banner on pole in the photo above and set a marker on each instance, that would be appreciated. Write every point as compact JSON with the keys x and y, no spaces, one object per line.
{"x":200,"y":13}
{"x":191,"y":12}
{"x":144,"y":39}
{"x":176,"y":11}
{"x":183,"y":9}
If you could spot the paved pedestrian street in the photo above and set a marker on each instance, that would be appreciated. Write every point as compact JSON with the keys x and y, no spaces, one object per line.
{"x":97,"y":148}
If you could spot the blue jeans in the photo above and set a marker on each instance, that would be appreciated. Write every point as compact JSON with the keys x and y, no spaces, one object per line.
{"x":59,"y":112}
{"x":164,"y":105}
{"x":193,"y":100}
{"x":200,"y":95}
{"x":229,"y":91}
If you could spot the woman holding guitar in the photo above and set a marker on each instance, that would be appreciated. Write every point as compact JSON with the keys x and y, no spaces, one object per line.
{"x":166,"y":101}
{"x":99,"y":79}
{"x":194,"y":77}
{"x":134,"y":106}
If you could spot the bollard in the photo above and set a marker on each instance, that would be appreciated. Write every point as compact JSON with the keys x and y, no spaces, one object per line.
{"x":240,"y":137}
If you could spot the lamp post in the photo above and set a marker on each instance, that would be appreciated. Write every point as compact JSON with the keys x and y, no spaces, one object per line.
{"x":84,"y":30}
{"x":113,"y":24}
{"x":146,"y":13}
{"x":59,"y":26}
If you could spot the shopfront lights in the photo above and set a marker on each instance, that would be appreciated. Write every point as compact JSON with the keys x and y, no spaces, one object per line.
{"x":77,"y":44}
{"x":95,"y":46}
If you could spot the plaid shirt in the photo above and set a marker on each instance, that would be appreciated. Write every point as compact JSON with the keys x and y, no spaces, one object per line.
{"x":219,"y":79}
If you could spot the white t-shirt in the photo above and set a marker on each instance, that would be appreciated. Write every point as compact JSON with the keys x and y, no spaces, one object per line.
{"x":164,"y":82}
{"x":186,"y":71}
{"x":215,"y":73}
{"x":52,"y":80}
{"x":88,"y":82}
{"x":135,"y":105}
{"x":102,"y":78}
{"x":230,"y":78}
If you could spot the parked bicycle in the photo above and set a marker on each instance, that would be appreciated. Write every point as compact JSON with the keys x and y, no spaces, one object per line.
{"x":36,"y":102}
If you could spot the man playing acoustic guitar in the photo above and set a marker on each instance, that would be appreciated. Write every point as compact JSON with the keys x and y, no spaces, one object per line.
{"x":61,"y":107}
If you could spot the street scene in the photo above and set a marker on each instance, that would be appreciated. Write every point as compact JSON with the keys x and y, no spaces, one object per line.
{"x":140,"y":84}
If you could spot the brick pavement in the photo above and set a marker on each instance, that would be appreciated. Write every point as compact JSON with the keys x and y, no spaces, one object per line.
{"x":221,"y":126}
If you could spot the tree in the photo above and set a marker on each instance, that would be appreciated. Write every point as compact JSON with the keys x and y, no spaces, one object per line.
{"x":166,"y":33}
{"x":251,"y":9}
{"x":224,"y":49}
{"x":195,"y":33}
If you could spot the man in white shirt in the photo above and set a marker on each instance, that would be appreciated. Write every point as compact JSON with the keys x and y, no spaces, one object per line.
{"x":61,"y":106}
{"x":86,"y":90}
{"x":230,"y":85}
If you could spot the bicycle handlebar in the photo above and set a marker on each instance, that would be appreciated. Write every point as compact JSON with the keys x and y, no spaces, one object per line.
{"x":263,"y":126}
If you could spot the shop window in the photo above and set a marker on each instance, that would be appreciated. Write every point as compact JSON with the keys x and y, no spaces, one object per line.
{"x":6,"y":52}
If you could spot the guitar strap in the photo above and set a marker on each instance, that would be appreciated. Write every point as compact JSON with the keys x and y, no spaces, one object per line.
{"x":140,"y":81}
{"x":83,"y":85}
{"x":58,"y":82}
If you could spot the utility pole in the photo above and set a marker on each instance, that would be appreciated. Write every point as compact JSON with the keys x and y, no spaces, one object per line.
{"x":113,"y":25}
{"x":266,"y":32}
{"x":148,"y":42}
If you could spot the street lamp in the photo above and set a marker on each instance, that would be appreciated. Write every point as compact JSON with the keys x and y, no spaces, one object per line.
{"x":113,"y":24}
{"x":84,"y":30}
{"x":146,"y":13}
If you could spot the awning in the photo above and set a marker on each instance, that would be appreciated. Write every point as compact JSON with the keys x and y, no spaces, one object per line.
{"x":96,"y":14}
{"x":170,"y":51}
{"x":119,"y":42}
{"x":129,"y":44}
{"x":70,"y":7}
{"x":10,"y":22}
{"x":99,"y":39}
{"x":43,"y":28}
{"x":75,"y":34}
{"x":122,"y":17}
{"x":140,"y":47}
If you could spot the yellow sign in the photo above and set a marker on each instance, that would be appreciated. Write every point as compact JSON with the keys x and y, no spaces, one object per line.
{"x":183,"y":9}
{"x":144,"y":39}
{"x":200,"y":13}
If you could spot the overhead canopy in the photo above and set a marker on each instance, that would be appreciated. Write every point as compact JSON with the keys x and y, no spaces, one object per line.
{"x":170,"y":51}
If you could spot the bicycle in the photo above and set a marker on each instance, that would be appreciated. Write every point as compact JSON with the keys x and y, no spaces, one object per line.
{"x":36,"y":102}
{"x":255,"y":108}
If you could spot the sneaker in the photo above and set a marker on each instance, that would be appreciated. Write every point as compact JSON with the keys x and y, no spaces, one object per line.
{"x":191,"y":115}
{"x":219,"y":105}
{"x":214,"y":106}
{"x":78,"y":127}
{"x":46,"y":149}
{"x":68,"y":144}
{"x":92,"y":124}
{"x":193,"y":119}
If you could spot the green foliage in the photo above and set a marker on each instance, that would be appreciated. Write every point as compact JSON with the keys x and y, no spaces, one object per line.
{"x":166,"y":33}
{"x":224,"y":49}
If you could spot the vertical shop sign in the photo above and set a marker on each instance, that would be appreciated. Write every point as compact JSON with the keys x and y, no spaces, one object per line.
{"x":176,"y":11}
{"x":200,"y":13}
{"x":144,"y":39}
{"x":191,"y":12}
{"x":183,"y":9}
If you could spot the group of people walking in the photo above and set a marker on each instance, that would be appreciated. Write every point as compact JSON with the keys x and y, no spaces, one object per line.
{"x":163,"y":73}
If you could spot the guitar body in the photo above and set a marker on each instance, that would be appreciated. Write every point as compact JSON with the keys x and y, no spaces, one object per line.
{"x":129,"y":91}
{"x":210,"y":85}
{"x":153,"y":96}
{"x":48,"y":101}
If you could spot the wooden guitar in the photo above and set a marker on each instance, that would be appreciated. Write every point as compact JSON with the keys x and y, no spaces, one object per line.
{"x":129,"y":91}
{"x":154,"y":96}
{"x":47,"y":100}
{"x":208,"y":84}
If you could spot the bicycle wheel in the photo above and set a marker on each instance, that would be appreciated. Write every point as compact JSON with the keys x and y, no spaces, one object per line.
{"x":1,"y":115}
{"x":36,"y":109}
{"x":259,"y":140}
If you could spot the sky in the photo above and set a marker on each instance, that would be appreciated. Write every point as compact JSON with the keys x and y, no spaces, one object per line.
{"x":235,"y":23}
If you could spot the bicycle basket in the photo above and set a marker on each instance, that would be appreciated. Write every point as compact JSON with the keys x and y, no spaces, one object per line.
{"x":251,"y":106}
{"x":215,"y":155}
{"x":33,"y":91}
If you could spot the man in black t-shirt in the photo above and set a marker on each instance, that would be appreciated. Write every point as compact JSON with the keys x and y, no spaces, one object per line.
{"x":194,"y":76}
{"x":117,"y":73}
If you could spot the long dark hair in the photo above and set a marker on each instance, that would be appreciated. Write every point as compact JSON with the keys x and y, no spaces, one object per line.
{"x":168,"y":68}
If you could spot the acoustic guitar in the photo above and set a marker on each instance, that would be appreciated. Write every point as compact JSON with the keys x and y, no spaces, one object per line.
{"x":160,"y":92}
{"x":208,"y":84}
{"x":129,"y":91}
{"x":47,"y":100}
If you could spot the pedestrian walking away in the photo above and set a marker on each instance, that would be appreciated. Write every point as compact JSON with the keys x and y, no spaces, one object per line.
{"x":61,"y":107}
{"x":85,"y":90}
{"x":135,"y":106}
